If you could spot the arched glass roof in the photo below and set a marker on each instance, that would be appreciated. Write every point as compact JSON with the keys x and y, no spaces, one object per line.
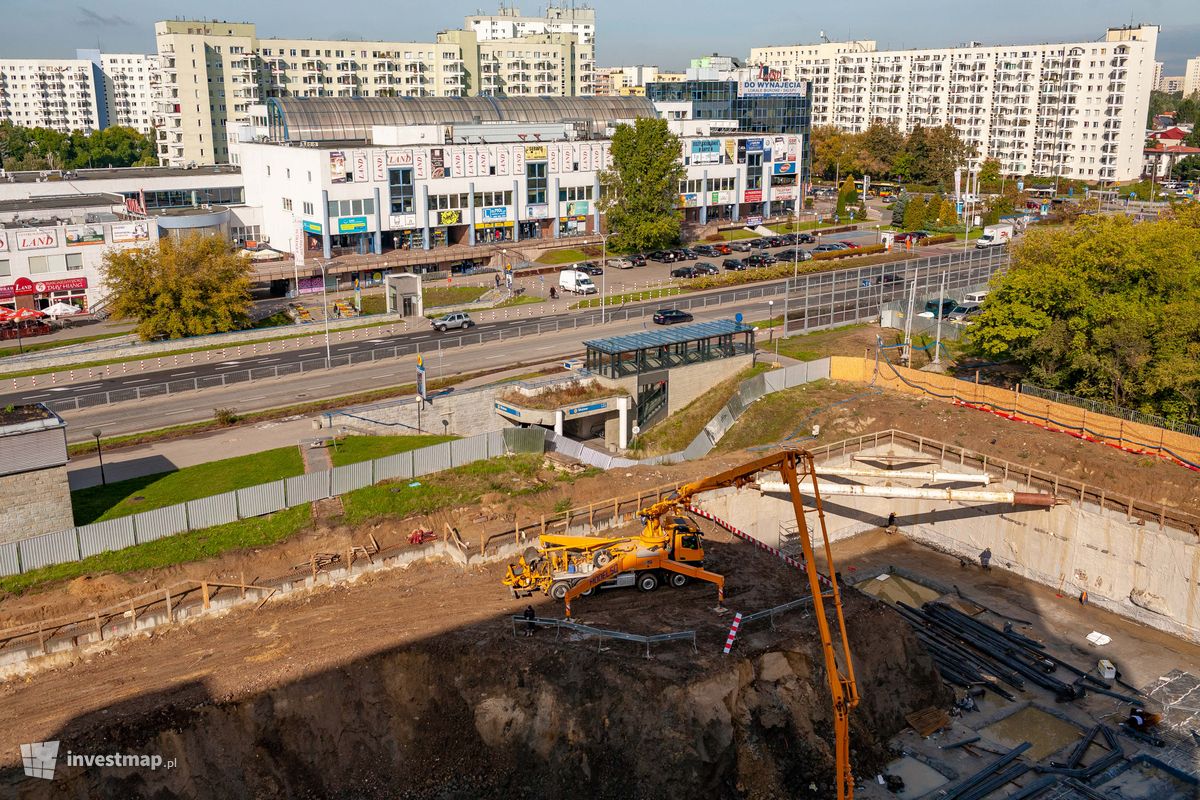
{"x":308,"y":119}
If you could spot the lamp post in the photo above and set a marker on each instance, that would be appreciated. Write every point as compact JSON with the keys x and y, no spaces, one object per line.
{"x":603,"y":271}
{"x":99,"y":455}
{"x":325,"y":304}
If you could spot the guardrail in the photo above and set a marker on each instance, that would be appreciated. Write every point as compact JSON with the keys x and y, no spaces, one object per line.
{"x":601,"y":634}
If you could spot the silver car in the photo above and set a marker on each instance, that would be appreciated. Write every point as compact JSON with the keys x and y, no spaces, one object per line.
{"x":459,"y":319}
{"x":619,"y":263}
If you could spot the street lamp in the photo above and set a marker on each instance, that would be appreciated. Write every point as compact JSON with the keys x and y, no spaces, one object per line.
{"x":99,"y":455}
{"x":325,"y":304}
{"x":603,"y":271}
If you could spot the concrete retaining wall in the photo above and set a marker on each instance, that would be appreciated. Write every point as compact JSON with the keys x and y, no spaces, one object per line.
{"x":468,"y":413}
{"x":1135,"y":568}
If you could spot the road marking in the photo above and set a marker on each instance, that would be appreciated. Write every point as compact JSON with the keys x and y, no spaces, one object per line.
{"x":177,"y":413}
{"x":139,"y":380}
{"x":228,"y":363}
{"x":547,"y":347}
{"x":231,"y":366}
{"x":269,"y":360}
{"x":181,"y":374}
{"x":36,"y":396}
{"x":322,"y":386}
{"x":248,"y":399}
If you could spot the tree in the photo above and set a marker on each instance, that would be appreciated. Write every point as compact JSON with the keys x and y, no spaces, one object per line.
{"x":989,"y":175}
{"x":189,"y":287}
{"x":948,"y":215}
{"x":1106,"y":309}
{"x":945,"y":151}
{"x":43,"y":148}
{"x":847,"y":196}
{"x":641,"y":189}
{"x":932,"y":212}
{"x":898,"y":209}
{"x":914,"y":214}
{"x":834,"y":151}
{"x":879,"y":146}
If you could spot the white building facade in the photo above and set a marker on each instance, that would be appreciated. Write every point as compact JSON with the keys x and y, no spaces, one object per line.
{"x":1074,"y":110}
{"x":62,"y":94}
{"x":131,"y":81}
{"x":508,"y":23}
{"x":1191,"y":77}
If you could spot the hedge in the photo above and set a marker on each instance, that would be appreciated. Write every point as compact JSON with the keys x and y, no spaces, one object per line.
{"x":941,"y":238}
{"x":851,"y":253}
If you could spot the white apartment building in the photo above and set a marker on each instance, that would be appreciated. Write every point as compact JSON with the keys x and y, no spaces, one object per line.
{"x":1076,"y":110}
{"x":1191,"y":77}
{"x":131,"y":81}
{"x":63,"y":94}
{"x":1158,"y":75}
{"x":508,"y":23}
{"x":212,"y":72}
{"x":1171,"y":84}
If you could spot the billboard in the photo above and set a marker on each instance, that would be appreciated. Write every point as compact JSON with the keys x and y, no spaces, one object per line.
{"x":783,"y":168}
{"x":130,"y":232}
{"x":535,"y":152}
{"x":337,"y":166}
{"x":83,"y":235}
{"x":706,"y":151}
{"x":689,"y":200}
{"x":539,"y":211}
{"x":37,"y":240}
{"x":437,"y":163}
{"x":449,"y":217}
{"x":361,"y":166}
{"x":456,"y":159}
{"x":379,"y":165}
{"x":577,"y":208}
{"x":312,"y":227}
{"x":772,"y":88}
{"x":754,"y":145}
{"x":783,"y":192}
{"x":495,"y":212}
{"x":352,"y":224}
{"x":752,"y":196}
{"x":401,"y":221}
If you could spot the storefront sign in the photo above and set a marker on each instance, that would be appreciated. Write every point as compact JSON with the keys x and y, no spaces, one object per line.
{"x":37,"y":240}
{"x":337,"y":166}
{"x":449,"y":217}
{"x":689,"y":200}
{"x":585,"y":409}
{"x":535,"y":152}
{"x":360,"y":166}
{"x":312,"y":227}
{"x":402,"y":221}
{"x":496,"y":212}
{"x":720,"y":198}
{"x":577,"y":208}
{"x":772,"y":88}
{"x":537,"y":211}
{"x":23,"y":287}
{"x":754,"y":145}
{"x":706,"y":151}
{"x":352,"y":224}
{"x":83,"y":235}
{"x":437,"y":163}
{"x":783,"y":168}
{"x":125,"y":232}
{"x":783,"y":192}
{"x":752,"y":196}
{"x":399,"y":158}
{"x":497,"y":224}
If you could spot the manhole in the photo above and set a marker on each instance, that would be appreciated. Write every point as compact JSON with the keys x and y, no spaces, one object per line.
{"x":1045,"y":732}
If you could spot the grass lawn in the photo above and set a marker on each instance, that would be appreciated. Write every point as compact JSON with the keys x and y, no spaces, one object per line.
{"x":791,"y":227}
{"x":373,"y":304}
{"x":34,"y":346}
{"x":178,"y":549}
{"x":520,"y":300}
{"x":678,"y":430}
{"x":131,"y":496}
{"x":730,"y":235}
{"x":276,"y":320}
{"x":353,"y":449}
{"x":510,"y":475}
{"x":776,"y":416}
{"x":434,"y":296}
{"x":631,"y":297}
{"x":818,"y":344}
{"x":566,"y":255}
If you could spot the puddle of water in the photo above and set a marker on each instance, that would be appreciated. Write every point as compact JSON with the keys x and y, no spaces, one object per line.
{"x":1146,"y":782}
{"x":1047,"y":733}
{"x":894,"y":589}
{"x":919,"y":777}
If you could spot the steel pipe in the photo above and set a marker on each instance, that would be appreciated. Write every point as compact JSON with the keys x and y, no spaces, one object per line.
{"x":931,"y":476}
{"x":924,"y":493}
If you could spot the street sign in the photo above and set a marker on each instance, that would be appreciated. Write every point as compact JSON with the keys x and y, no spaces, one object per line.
{"x":420,"y":377}
{"x":737,"y":317}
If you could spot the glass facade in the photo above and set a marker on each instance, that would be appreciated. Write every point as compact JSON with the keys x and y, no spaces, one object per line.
{"x":719,"y":100}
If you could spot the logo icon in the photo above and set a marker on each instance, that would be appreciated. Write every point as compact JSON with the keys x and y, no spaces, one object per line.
{"x":39,"y":759}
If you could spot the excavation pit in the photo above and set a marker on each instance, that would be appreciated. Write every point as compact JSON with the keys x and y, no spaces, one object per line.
{"x":898,"y":589}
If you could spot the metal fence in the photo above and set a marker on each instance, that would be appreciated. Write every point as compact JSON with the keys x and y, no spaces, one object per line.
{"x":821,"y":300}
{"x":78,"y":543}
{"x":601,"y":634}
{"x":1110,"y":410}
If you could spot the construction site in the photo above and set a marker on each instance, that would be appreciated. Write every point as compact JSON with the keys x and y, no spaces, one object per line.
{"x":865,"y":589}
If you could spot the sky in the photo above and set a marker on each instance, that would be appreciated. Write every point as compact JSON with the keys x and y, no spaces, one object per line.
{"x":664,"y":32}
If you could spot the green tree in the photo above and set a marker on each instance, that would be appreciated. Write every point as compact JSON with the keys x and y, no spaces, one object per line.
{"x":879,"y":146}
{"x":188,"y":287}
{"x":641,"y":189}
{"x":914,"y":214}
{"x":898,"y":209}
{"x":834,"y":151}
{"x":933,"y":210}
{"x":945,"y":150}
{"x":948,"y":215}
{"x":43,"y":148}
{"x":989,"y":175}
{"x":847,"y":196}
{"x":1107,"y":309}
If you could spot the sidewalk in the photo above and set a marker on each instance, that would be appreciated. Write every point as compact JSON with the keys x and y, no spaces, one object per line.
{"x":167,"y":456}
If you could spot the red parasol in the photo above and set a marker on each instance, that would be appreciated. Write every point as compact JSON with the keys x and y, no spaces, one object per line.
{"x":6,"y":314}
{"x":22,"y":314}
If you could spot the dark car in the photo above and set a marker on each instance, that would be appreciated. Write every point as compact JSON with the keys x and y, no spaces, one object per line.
{"x":805,"y":238}
{"x":793,"y":254}
{"x":670,"y":316}
{"x":589,"y":267}
{"x":760,"y":244}
{"x":761,"y":260}
{"x":935,"y":308}
{"x":665,"y":256}
{"x":637,"y":259}
{"x":687,"y":254}
{"x":735,"y":264}
{"x":685,"y":272}
{"x":776,"y":241}
{"x":915,"y":237}
{"x":706,"y":268}
{"x":705,"y":250}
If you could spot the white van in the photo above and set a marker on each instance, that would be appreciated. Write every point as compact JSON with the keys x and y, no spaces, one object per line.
{"x":573,"y":280}
{"x":974,"y":298}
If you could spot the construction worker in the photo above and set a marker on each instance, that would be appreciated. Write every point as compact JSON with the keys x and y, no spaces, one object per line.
{"x":530,"y":615}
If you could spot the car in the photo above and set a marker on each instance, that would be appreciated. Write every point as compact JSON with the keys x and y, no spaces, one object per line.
{"x":792,"y":254}
{"x":776,"y":241}
{"x":829,"y":247}
{"x":741,"y":246}
{"x":458,"y":319}
{"x":619,"y":263}
{"x":962,"y":311}
{"x":591,"y":268}
{"x":705,"y":250}
{"x":687,"y":254}
{"x":671,"y":316}
{"x":735,"y":264}
{"x":805,"y":238}
{"x":938,"y":308}
{"x":761,"y":260}
{"x":685,"y":272}
{"x":851,"y":245}
{"x":759,"y":244}
{"x":916,"y":237}
{"x":722,"y":249}
{"x":706,"y":268}
{"x":975,"y":297}
{"x":664,"y":256}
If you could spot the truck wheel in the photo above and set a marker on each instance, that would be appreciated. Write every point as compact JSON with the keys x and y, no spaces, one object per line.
{"x":647,"y":582}
{"x":559,"y":589}
{"x":602,"y":558}
{"x":678,"y":580}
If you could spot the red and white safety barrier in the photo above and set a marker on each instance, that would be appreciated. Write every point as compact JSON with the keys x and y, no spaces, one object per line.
{"x":733,"y":631}
{"x":791,"y":562}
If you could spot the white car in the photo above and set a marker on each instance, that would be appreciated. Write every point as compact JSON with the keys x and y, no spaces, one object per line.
{"x":459,"y":319}
{"x":619,"y":263}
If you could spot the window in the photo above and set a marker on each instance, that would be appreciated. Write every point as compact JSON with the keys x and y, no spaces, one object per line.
{"x":369,"y":205}
{"x":4,"y":268}
{"x":356,"y":207}
{"x":535,"y":181}
{"x":308,"y":209}
{"x":333,"y":208}
{"x":443,"y":202}
{"x":74,"y":261}
{"x":40,"y":265}
{"x":567,"y":194}
{"x":485,"y":199}
{"x":400,"y":190}
{"x":287,"y":204}
{"x":691,"y":186}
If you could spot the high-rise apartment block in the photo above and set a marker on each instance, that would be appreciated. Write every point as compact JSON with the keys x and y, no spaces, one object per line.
{"x":63,"y":94}
{"x":213,"y":71}
{"x":507,"y":23}
{"x":1191,"y":77}
{"x":1076,"y":110}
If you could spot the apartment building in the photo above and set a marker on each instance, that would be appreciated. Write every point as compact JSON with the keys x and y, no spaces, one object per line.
{"x":63,"y":94}
{"x":1171,"y":84}
{"x":131,"y":81}
{"x":1076,"y":110}
{"x":1191,"y":77}
{"x":508,"y":23}
{"x":212,"y":72}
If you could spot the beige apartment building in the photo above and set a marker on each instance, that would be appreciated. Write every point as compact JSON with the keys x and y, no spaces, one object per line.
{"x":1075,"y":110}
{"x":212,"y":72}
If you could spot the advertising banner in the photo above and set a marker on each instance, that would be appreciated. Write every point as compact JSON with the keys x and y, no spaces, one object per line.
{"x":706,"y":151}
{"x":752,"y":196}
{"x":396,"y":221}
{"x":754,"y":145}
{"x":752,"y":221}
{"x":783,"y":168}
{"x":457,"y":160}
{"x":421,"y":165}
{"x":731,"y":149}
{"x":483,"y":157}
{"x":299,"y":240}
{"x":312,"y":227}
{"x":554,"y":154}
{"x":720,"y":198}
{"x":539,"y":211}
{"x":772,"y":88}
{"x":437,"y":163}
{"x":518,"y":160}
{"x":361,"y":166}
{"x":535,"y":152}
{"x":123,"y":232}
{"x":502,"y":160}
{"x":495,"y":212}
{"x":585,"y":158}
{"x":83,"y":235}
{"x":400,"y":158}
{"x":24,"y":287}
{"x":37,"y":240}
{"x":783,"y":192}
{"x":352,"y":224}
{"x":379,"y":165}
{"x":689,"y":200}
{"x":420,"y":376}
{"x":452,"y":217}
{"x":599,"y":157}
{"x":337,"y":166}
{"x":310,"y":285}
{"x":471,"y":162}
{"x":577,"y":208}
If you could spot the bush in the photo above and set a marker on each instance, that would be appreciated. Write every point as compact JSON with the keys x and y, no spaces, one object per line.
{"x":941,"y":238}
{"x":225,"y":416}
{"x":858,"y":251}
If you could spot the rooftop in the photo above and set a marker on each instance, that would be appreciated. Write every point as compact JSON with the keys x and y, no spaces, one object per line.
{"x":31,"y":417}
{"x":668,"y":336}
{"x":120,"y":173}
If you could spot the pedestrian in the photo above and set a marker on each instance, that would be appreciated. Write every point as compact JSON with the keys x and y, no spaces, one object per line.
{"x":530,"y":615}
{"x":985,"y":559}
{"x":497,"y":280}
